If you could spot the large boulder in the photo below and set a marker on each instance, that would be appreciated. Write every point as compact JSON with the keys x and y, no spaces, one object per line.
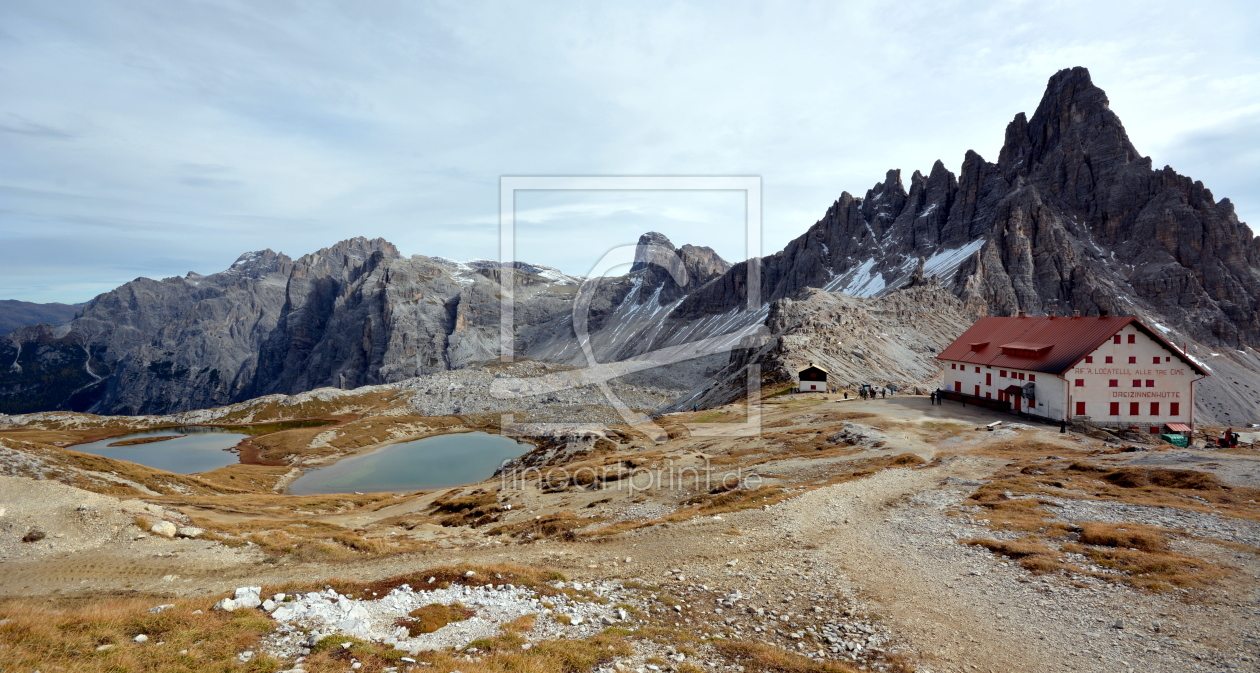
{"x":163,"y":528}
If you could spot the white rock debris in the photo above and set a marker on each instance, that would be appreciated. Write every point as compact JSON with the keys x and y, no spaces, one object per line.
{"x":305,"y":618}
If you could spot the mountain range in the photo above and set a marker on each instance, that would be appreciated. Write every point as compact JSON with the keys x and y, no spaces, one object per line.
{"x":1070,"y":218}
{"x":15,"y":314}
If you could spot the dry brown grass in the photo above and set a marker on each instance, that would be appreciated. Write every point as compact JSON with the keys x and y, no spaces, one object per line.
{"x":62,"y":438}
{"x":1017,"y":449}
{"x":145,"y":440}
{"x":1137,"y":477}
{"x":1184,"y":489}
{"x":234,"y":508}
{"x":759,"y":658}
{"x":738,"y":415}
{"x":362,"y":404}
{"x":307,"y":541}
{"x":1128,"y":535}
{"x":1029,"y":551}
{"x":1141,"y":552}
{"x":559,"y":524}
{"x":535,"y":579}
{"x":722,"y":500}
{"x":65,"y":636}
{"x":475,"y":509}
{"x":247,"y":478}
{"x":1153,"y":570}
{"x":432,"y":617}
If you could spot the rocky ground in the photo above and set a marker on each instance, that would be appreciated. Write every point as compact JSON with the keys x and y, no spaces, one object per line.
{"x":853,"y":560}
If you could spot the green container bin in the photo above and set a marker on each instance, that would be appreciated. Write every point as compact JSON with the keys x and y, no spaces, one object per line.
{"x":1175,"y":440}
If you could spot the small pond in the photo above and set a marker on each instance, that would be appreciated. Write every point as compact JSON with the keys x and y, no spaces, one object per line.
{"x":423,"y":464}
{"x":200,"y":449}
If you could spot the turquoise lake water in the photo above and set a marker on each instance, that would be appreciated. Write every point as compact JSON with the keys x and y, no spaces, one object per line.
{"x":420,"y":465}
{"x":203,"y":449}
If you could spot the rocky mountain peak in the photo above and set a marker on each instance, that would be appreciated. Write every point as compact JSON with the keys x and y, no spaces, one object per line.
{"x":351,"y":250}
{"x":885,"y":201}
{"x":1074,"y":119}
{"x":696,"y":265}
{"x":255,"y":264}
{"x":643,"y":249}
{"x":703,"y":263}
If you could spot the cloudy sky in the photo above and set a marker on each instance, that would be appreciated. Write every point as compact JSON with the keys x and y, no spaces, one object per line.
{"x":156,"y":138}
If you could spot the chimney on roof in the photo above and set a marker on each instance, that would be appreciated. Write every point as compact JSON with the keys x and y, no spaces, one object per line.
{"x":1020,"y":314}
{"x":1076,"y":313}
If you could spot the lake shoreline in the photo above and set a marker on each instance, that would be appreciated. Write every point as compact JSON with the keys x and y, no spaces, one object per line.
{"x":517,"y":449}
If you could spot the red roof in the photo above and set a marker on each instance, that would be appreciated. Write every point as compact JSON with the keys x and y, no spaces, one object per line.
{"x":1043,"y":344}
{"x":1178,"y":427}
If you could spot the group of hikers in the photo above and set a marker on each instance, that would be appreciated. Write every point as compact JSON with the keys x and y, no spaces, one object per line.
{"x":869,"y":392}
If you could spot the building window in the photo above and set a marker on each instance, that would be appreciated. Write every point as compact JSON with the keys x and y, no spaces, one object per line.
{"x":1167,"y":358}
{"x":1135,"y":408}
{"x":1115,"y":339}
{"x":1021,"y":376}
{"x":1115,"y":408}
{"x":1113,"y":383}
{"x":1132,"y":338}
{"x":1080,"y":408}
{"x":1132,"y":360}
{"x":953,"y":365}
{"x":988,"y":378}
{"x":1032,"y":377}
{"x":1155,"y":360}
{"x":1154,"y":408}
{"x":1089,"y":359}
{"x":988,"y":396}
{"x":977,"y":370}
{"x":1154,"y":429}
{"x":1174,"y":408}
{"x":958,"y":386}
{"x":1150,"y":383}
{"x":1002,"y":373}
{"x":1137,"y":383}
{"x":1110,"y":359}
{"x":977,"y":390}
{"x":1080,"y":383}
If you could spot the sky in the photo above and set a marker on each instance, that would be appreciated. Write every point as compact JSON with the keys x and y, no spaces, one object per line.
{"x":154,"y":138}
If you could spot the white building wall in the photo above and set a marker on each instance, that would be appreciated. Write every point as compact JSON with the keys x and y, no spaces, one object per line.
{"x":1056,"y":396}
{"x":813,"y":386}
{"x":991,"y":380}
{"x":1165,"y":382}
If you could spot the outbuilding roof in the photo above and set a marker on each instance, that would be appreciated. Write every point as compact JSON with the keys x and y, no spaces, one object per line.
{"x":1044,"y":344}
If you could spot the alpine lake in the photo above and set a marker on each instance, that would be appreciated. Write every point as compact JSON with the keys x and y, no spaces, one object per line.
{"x":422,"y":464}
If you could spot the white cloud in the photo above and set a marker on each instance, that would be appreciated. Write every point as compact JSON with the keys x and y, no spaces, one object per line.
{"x":155,"y":137}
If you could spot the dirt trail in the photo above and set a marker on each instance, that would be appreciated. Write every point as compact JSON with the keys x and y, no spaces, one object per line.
{"x":858,"y":537}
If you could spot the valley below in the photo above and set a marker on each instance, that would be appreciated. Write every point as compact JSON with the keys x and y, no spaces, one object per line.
{"x":846,"y":534}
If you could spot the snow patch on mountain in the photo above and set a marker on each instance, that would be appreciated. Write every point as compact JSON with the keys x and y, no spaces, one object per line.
{"x":945,"y":262}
